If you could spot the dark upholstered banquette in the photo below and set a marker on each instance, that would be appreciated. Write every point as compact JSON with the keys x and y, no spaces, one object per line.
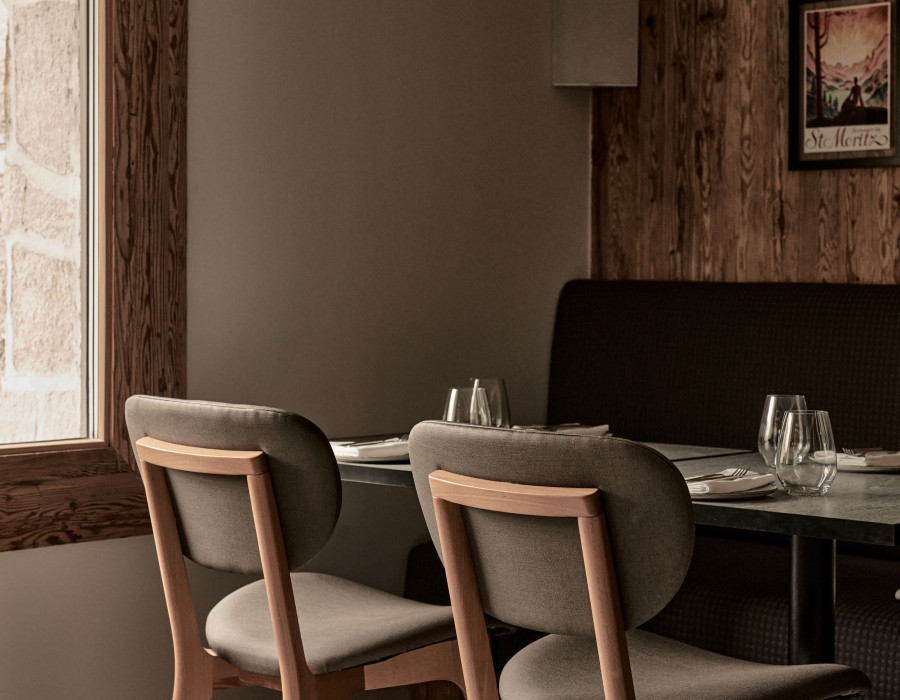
{"x":691,"y":363}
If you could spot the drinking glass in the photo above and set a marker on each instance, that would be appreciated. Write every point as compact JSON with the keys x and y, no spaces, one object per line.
{"x":805,"y":457}
{"x":770,"y":425}
{"x":467,"y":405}
{"x":495,"y":388}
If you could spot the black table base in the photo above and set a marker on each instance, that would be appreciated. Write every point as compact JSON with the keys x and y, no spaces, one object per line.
{"x":811,"y":630}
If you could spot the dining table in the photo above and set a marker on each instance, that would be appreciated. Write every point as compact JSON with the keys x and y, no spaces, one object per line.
{"x":859,"y":507}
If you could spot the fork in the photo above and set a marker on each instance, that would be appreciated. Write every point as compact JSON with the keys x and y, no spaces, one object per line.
{"x":736,"y":473}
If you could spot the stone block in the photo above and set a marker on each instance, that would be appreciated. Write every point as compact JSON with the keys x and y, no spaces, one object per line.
{"x":63,"y":415}
{"x":3,"y":290}
{"x":45,"y":41}
{"x":33,"y":210}
{"x":45,"y":310}
{"x":4,"y":70}
{"x":19,"y":416}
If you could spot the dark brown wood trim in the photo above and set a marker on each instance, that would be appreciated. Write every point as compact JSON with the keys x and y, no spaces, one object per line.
{"x":49,"y":510}
{"x":147,"y":210}
{"x":77,"y":494}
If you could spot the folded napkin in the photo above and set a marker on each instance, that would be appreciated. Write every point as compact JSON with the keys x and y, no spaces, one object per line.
{"x":578,"y":429}
{"x":870,"y":458}
{"x":570,"y":428}
{"x":727,"y":485}
{"x":381,"y":450}
{"x":883,"y":458}
{"x":850,"y":460}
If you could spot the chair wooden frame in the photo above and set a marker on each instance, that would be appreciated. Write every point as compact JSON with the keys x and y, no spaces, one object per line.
{"x":450,"y":492}
{"x":199,"y":672}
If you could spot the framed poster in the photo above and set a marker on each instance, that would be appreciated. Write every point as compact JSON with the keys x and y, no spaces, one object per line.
{"x":843,"y":84}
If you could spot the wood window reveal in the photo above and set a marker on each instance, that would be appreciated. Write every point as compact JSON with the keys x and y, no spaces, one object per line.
{"x":54,"y":493}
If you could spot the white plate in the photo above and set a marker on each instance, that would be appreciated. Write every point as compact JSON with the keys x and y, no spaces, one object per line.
{"x":758,"y":492}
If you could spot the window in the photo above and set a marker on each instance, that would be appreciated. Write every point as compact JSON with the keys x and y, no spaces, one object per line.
{"x":48,"y":231}
{"x":77,"y":490}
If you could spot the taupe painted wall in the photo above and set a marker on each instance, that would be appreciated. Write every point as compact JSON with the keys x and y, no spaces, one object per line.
{"x":384,"y":199}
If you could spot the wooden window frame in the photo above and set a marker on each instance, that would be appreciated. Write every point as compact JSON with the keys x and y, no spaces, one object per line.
{"x":76,"y":491}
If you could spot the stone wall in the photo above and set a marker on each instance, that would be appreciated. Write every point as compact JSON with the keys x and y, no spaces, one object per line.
{"x":42,"y":298}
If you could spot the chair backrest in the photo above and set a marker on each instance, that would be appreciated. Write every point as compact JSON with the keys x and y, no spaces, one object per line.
{"x":530,"y":569}
{"x":692,"y":362}
{"x":213,"y":512}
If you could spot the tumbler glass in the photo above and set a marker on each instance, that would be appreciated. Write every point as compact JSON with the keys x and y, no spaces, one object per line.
{"x":467,"y":405}
{"x":805,"y":457}
{"x":498,"y":401}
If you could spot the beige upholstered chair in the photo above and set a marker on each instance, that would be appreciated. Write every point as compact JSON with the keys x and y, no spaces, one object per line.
{"x":257,"y":491}
{"x":584,"y":538}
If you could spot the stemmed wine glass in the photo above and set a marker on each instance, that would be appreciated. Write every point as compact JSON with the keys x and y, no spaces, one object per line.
{"x":770,"y":425}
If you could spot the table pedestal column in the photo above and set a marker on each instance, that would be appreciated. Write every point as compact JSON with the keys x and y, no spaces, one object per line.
{"x":811,"y":633}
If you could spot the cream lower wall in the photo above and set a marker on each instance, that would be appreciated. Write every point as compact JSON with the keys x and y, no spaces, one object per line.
{"x":385,"y":198}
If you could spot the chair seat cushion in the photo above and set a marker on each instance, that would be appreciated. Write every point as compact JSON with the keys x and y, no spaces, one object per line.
{"x":342,"y":624}
{"x":567,"y":668}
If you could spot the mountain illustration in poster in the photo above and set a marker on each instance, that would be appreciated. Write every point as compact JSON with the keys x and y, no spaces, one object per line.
{"x":848,"y":73}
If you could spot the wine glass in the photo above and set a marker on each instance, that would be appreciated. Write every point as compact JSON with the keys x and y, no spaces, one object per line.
{"x":495,"y":388}
{"x":467,"y":405}
{"x":770,"y":425}
{"x":805,"y":457}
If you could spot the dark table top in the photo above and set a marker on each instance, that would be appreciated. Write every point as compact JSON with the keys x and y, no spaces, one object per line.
{"x":399,"y":473}
{"x":858,"y":508}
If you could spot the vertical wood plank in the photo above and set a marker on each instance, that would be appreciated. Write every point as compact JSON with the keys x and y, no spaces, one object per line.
{"x":615,"y":140}
{"x":779,"y":247}
{"x":711,"y":116}
{"x":680,"y":34}
{"x":652,"y":232}
{"x":146,"y":208}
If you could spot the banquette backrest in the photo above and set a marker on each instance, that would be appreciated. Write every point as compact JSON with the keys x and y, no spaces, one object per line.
{"x":692,"y":362}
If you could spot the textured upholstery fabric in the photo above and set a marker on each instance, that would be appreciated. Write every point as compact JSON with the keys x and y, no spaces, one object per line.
{"x":567,"y":668}
{"x":342,"y":624}
{"x":692,"y":362}
{"x":214,"y":515}
{"x":529,"y":566}
{"x":734,"y":601}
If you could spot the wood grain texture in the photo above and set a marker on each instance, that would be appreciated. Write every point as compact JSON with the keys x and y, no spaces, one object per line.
{"x":76,"y":494}
{"x":46,"y":511}
{"x":691,"y":179}
{"x":147,"y":207}
{"x":201,"y":460}
{"x":521,"y":499}
{"x":465,"y":599}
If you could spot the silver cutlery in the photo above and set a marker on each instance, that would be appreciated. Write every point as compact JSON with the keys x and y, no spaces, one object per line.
{"x":736,"y":473}
{"x":860,"y":453}
{"x":382,"y":441}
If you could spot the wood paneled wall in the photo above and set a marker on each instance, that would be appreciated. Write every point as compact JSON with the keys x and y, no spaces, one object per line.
{"x":690,"y":169}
